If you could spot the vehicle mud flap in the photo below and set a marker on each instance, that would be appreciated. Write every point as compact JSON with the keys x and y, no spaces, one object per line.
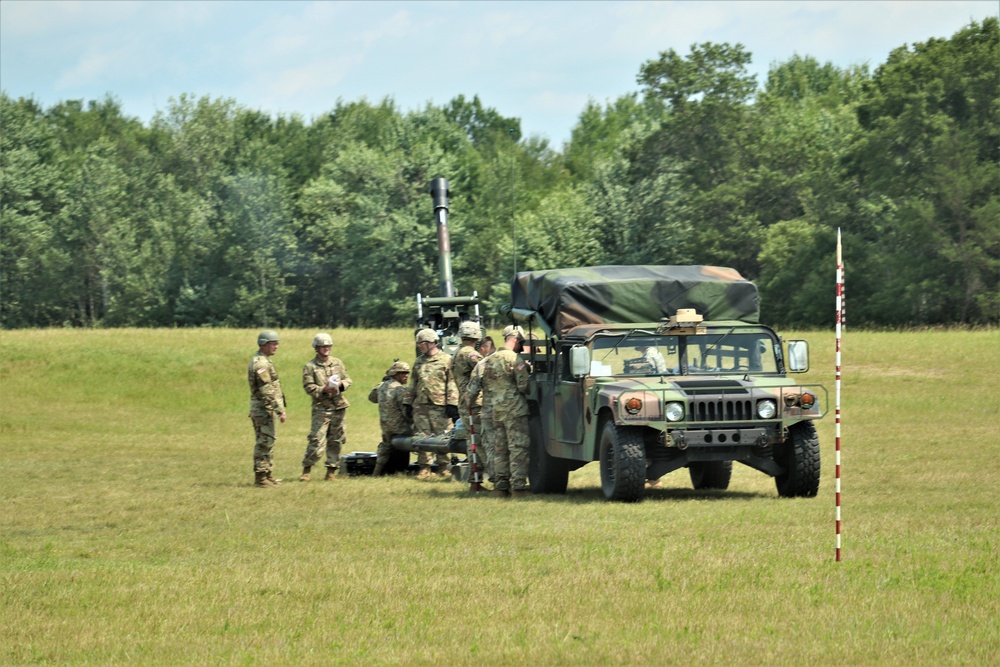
{"x":623,"y":463}
{"x":546,"y":473}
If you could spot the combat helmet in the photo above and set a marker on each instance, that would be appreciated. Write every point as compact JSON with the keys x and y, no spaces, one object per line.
{"x":427,"y":336}
{"x":322,"y":340}
{"x":398,"y":367}
{"x":513,"y":330}
{"x":267,"y":336}
{"x":469,"y":329}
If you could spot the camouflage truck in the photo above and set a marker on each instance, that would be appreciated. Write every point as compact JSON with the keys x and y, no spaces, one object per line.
{"x":650,"y":369}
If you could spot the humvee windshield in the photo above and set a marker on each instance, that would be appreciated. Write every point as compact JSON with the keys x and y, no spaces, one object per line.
{"x":719,"y":351}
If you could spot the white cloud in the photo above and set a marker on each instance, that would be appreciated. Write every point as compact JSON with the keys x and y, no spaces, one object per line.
{"x":541,"y":61}
{"x":90,"y":69}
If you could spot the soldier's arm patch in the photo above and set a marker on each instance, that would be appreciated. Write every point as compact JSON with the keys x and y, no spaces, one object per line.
{"x":520,"y":366}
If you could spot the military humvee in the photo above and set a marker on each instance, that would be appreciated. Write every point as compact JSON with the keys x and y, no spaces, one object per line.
{"x":650,"y":369}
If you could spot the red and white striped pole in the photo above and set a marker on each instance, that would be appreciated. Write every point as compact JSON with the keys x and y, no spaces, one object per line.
{"x":476,"y":478}
{"x":840,"y":322}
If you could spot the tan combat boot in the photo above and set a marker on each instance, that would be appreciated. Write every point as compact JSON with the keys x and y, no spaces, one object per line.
{"x":330,"y":475}
{"x":261,"y":480}
{"x":304,"y":477}
{"x":270,"y":478}
{"x":520,"y":493}
{"x":425,"y":473}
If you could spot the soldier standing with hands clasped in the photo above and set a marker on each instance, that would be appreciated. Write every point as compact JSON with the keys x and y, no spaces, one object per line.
{"x":266,"y":401}
{"x":325,"y":379}
{"x":435,"y":397}
{"x":505,"y":377}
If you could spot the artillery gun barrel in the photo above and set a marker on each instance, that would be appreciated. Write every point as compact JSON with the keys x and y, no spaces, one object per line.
{"x":440,"y":194}
{"x":451,"y":301}
{"x":438,"y":444}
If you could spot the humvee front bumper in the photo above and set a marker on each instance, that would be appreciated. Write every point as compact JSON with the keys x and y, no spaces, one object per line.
{"x":716,"y":437}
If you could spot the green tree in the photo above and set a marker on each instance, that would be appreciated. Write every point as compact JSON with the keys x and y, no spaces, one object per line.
{"x":707,"y":135}
{"x":33,"y":267}
{"x":930,"y":143}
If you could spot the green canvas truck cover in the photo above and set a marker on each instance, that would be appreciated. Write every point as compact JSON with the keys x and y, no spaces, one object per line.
{"x":566,"y":298}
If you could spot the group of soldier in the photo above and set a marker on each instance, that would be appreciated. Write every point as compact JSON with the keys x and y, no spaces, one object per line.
{"x":485,"y":387}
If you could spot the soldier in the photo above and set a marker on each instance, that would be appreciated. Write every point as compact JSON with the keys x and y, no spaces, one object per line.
{"x":325,"y":379}
{"x":435,"y":398}
{"x":393,"y":398}
{"x":652,"y":356}
{"x":506,"y":377}
{"x":486,"y":346}
{"x":476,"y":391}
{"x":266,"y":401}
{"x":462,"y":363}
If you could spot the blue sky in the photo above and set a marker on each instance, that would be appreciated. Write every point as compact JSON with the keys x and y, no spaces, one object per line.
{"x":538,"y":61}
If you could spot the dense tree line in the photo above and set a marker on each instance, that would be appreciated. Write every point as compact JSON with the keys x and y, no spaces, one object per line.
{"x":216,"y":214}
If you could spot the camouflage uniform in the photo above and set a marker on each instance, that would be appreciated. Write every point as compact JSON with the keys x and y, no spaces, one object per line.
{"x":462,"y":364}
{"x":266,"y":401}
{"x":654,"y":358}
{"x":327,"y":429}
{"x":476,"y":392}
{"x":432,"y":389}
{"x":391,"y":396}
{"x":505,"y":376}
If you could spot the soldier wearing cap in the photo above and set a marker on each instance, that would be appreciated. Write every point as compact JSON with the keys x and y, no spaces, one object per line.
{"x":325,"y":379}
{"x":266,"y":401}
{"x":434,"y":396}
{"x":393,"y":398}
{"x":506,"y":377}
{"x":476,"y":392}
{"x":462,"y":363}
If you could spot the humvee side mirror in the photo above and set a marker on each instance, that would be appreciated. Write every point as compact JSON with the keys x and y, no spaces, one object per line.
{"x":579,"y":360}
{"x":798,"y":356}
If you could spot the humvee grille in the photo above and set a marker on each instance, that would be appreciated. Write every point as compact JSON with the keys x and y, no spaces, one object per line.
{"x":719,"y":410}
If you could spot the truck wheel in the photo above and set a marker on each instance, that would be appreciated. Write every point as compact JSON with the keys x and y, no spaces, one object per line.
{"x":623,"y":463}
{"x":800,"y":458}
{"x":710,"y":474}
{"x":546,"y":473}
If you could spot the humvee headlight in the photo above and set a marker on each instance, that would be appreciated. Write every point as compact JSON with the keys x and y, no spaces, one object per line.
{"x":766,"y":409}
{"x":807,"y":400}
{"x":674,"y":411}
{"x":633,"y":405}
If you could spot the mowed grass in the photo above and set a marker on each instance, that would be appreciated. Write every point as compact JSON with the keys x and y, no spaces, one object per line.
{"x":131,"y":533}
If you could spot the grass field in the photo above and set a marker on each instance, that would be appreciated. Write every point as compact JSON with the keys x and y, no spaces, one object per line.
{"x":131,"y":533}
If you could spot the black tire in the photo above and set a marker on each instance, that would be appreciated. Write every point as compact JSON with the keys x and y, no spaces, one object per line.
{"x":710,"y":474}
{"x":800,"y":458}
{"x":546,"y":473}
{"x":623,"y":463}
